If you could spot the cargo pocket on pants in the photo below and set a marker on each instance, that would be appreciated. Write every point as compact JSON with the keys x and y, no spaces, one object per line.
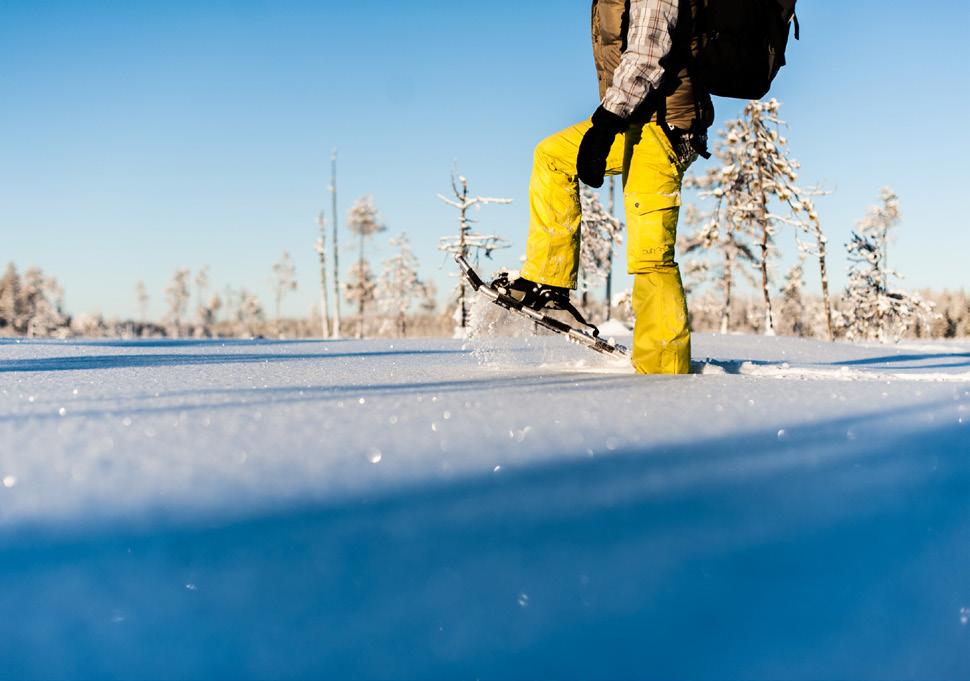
{"x":651,"y":230}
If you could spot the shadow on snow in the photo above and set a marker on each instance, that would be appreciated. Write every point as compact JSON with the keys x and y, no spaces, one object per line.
{"x":92,"y":362}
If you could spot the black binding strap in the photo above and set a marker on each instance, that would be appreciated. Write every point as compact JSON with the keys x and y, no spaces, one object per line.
{"x":571,"y":309}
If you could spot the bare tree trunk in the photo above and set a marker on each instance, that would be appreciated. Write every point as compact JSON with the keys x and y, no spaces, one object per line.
{"x":884,"y":280}
{"x":823,"y":272}
{"x":765,"y":236}
{"x":324,"y":302}
{"x":362,"y":282}
{"x":769,"y":322}
{"x":728,"y":280}
{"x":336,"y":250}
{"x":463,"y":197}
{"x":609,"y":267}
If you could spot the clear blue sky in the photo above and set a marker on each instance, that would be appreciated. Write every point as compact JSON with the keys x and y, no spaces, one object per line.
{"x":139,"y":137}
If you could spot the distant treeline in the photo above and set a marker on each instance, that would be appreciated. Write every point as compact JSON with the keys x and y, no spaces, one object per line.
{"x":31,"y":306}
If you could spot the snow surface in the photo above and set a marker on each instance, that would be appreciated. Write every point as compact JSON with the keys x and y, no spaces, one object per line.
{"x":507,"y":508}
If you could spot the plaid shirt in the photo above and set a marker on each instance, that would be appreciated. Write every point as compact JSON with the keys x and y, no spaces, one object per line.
{"x":650,"y":38}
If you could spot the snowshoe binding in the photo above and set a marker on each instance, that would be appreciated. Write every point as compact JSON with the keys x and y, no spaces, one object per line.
{"x":529,"y":299}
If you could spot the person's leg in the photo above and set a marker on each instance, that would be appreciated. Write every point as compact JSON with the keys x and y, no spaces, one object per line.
{"x":552,"y":249}
{"x":661,"y":337}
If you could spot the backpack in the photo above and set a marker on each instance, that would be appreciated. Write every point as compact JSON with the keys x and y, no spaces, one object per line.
{"x":740,"y":45}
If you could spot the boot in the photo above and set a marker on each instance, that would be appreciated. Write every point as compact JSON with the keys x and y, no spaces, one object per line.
{"x":533,"y":295}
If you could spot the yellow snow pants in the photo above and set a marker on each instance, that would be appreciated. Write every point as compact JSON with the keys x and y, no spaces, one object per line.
{"x":652,"y":178}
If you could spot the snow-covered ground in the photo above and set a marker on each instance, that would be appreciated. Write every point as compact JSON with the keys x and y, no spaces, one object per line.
{"x":507,"y":508}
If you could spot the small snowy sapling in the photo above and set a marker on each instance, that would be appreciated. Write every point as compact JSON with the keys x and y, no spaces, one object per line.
{"x":873,"y":310}
{"x":468,"y":244}
{"x":364,"y":221}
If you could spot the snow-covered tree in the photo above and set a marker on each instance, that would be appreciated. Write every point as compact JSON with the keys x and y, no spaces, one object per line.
{"x":755,"y":194}
{"x":9,"y":298}
{"x":399,"y":285}
{"x":250,"y":312}
{"x":201,"y":286}
{"x":359,"y":290}
{"x":210,"y":312}
{"x":321,"y":248}
{"x":732,"y":252}
{"x":428,"y":302}
{"x":623,"y":304}
{"x":817,"y":248}
{"x":41,"y":302}
{"x":599,"y":232}
{"x":177,"y":297}
{"x":694,"y":274}
{"x":285,"y":281}
{"x":791,"y":312}
{"x":470,"y":245}
{"x":141,"y":298}
{"x":873,"y":310}
{"x":364,"y":221}
{"x":610,"y":209}
{"x":231,"y":302}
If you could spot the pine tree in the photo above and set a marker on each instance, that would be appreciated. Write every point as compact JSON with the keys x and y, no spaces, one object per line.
{"x":874,"y":310}
{"x":364,"y":221}
{"x":359,"y":290}
{"x":470,"y":245}
{"x":399,"y":285}
{"x":755,"y":192}
{"x":791,"y":312}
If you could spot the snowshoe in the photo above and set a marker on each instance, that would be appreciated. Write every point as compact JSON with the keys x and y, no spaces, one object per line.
{"x":528,"y":299}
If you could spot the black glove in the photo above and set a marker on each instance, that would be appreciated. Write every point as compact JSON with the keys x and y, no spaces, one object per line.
{"x":595,"y":147}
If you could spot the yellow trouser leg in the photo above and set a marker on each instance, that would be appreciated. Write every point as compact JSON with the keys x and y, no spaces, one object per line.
{"x":661,"y":337}
{"x":651,"y":188}
{"x":552,"y":250}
